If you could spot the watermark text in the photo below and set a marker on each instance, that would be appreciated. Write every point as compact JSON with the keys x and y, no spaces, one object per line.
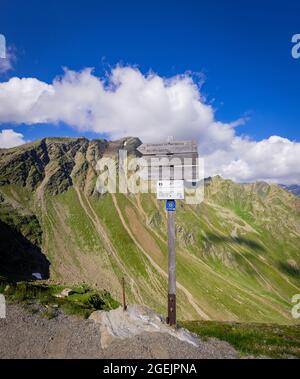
{"x":2,"y":306}
{"x":2,"y":47}
{"x":139,"y":175}
{"x":296,"y":47}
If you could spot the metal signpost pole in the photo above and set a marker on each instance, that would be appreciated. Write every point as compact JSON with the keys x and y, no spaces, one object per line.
{"x":170,"y":188}
{"x":171,"y":267}
{"x":123,"y":295}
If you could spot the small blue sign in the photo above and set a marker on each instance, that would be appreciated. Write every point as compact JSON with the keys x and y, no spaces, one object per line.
{"x":171,"y":205}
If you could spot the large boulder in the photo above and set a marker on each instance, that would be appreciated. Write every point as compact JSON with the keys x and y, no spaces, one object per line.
{"x":136,"y":320}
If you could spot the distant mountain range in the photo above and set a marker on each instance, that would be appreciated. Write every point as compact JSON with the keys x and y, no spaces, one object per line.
{"x":237,"y":252}
{"x":294,"y":188}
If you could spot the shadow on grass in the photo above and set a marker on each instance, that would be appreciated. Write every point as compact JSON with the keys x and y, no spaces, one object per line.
{"x":217,"y":238}
{"x":289,"y":269}
{"x":19,"y":257}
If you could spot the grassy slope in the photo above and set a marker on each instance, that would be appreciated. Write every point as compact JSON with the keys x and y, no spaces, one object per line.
{"x":266,"y":340}
{"x":226,"y":292}
{"x":233,"y":255}
{"x":82,"y":300}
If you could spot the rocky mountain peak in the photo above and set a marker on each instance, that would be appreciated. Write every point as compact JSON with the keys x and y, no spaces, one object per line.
{"x":58,"y":161}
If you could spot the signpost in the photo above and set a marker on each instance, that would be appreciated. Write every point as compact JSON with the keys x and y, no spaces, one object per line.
{"x":171,"y":319}
{"x":170,"y":187}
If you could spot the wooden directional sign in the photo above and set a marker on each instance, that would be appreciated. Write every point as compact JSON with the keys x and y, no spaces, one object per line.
{"x":160,"y":158}
{"x":168,"y":148}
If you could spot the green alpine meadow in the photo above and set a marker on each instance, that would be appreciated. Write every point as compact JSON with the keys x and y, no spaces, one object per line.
{"x":238,"y":255}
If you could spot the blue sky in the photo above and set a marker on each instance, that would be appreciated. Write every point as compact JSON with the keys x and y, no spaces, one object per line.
{"x":241,"y":48}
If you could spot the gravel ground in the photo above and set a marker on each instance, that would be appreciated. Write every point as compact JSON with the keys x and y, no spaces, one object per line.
{"x":24,"y":334}
{"x":164,"y":346}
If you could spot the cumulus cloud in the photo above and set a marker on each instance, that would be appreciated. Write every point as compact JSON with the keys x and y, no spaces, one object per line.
{"x":9,"y":138}
{"x":126,"y":102}
{"x":275,"y":159}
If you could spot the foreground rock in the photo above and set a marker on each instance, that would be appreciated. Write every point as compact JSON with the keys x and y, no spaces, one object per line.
{"x":142,"y":324}
{"x":136,"y":320}
{"x":64,"y":293}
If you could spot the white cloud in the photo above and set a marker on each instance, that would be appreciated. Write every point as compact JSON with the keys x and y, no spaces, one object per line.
{"x":275,"y":159}
{"x":9,"y":138}
{"x":127,"y":102}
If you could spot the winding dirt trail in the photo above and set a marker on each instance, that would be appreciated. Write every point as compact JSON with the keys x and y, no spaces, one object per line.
{"x":189,"y":296}
{"x":108,"y":245}
{"x":261,"y":298}
{"x":272,"y":267}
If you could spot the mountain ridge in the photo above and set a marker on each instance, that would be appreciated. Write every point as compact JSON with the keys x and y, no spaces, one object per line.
{"x":237,"y":252}
{"x":293,"y":188}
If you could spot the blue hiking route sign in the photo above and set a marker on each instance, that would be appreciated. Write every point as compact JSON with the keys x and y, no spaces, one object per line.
{"x":171,"y":205}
